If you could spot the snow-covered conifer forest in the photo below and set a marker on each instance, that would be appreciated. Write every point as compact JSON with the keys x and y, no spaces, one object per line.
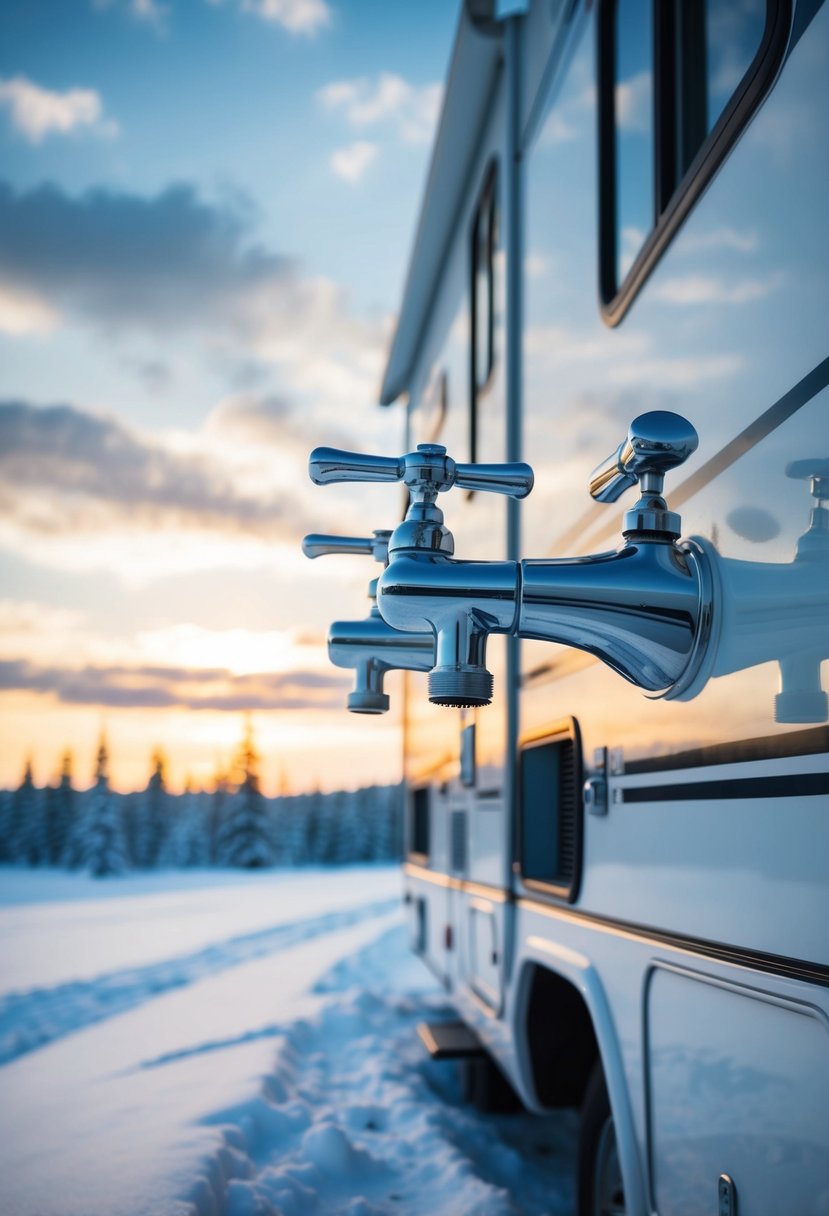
{"x":234,"y":824}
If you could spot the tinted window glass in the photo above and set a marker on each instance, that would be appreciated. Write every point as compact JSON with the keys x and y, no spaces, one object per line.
{"x":677,"y":79}
{"x":733,"y":33}
{"x":540,"y":812}
{"x":633,"y":106}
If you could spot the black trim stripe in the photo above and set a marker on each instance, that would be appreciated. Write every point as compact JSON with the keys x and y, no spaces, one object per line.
{"x":809,"y":742}
{"x":740,"y":956}
{"x":794,"y":785}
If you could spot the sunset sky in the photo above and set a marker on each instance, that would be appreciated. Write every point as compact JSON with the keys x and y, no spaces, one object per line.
{"x":206,"y":213}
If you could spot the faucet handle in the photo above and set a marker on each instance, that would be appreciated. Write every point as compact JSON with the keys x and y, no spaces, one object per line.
{"x":427,"y":472}
{"x":326,"y":465}
{"x":515,"y":479}
{"x":317,"y":544}
{"x":656,"y":442}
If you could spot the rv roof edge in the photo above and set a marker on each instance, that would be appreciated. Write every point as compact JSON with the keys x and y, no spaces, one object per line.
{"x":475,"y":60}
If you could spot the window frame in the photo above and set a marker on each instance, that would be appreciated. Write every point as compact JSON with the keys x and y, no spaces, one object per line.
{"x":672,"y":205}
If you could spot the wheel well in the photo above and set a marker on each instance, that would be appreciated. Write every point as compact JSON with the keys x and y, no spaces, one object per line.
{"x":561,"y":1041}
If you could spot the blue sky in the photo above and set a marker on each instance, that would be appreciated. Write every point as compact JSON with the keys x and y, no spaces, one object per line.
{"x":206,"y":212}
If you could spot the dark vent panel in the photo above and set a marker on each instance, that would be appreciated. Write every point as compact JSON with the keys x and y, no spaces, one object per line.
{"x":550,"y":812}
{"x":419,"y":843}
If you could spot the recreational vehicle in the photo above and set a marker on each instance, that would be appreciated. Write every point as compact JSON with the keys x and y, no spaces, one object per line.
{"x":616,"y":746}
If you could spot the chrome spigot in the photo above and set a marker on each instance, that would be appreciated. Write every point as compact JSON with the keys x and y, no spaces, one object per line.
{"x":655,"y":443}
{"x":645,"y":608}
{"x":802,"y":698}
{"x":814,"y":543}
{"x":666,"y":614}
{"x":423,"y":588}
{"x":370,"y":647}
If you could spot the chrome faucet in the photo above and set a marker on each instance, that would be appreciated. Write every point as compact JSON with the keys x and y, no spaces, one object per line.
{"x":667,"y":614}
{"x":644,"y":609}
{"x":802,"y":698}
{"x":423,"y":587}
{"x":370,"y":647}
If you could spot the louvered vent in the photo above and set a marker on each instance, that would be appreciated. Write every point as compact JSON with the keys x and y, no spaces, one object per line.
{"x":550,"y":812}
{"x":569,"y":809}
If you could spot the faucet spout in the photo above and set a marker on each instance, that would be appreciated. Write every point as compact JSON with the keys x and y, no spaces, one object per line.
{"x":643,"y":609}
{"x":371,"y":648}
{"x":462,"y":602}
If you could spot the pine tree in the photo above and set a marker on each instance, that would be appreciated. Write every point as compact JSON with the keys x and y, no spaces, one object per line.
{"x":152,"y":815}
{"x":243,"y":839}
{"x":362,"y":826}
{"x":22,"y":828}
{"x":216,"y":815}
{"x":58,"y":813}
{"x":5,"y":825}
{"x":103,"y":845}
{"x":187,"y":842}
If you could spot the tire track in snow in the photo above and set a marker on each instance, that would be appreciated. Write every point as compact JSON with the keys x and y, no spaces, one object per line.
{"x":29,"y":1020}
{"x":355,"y":1121}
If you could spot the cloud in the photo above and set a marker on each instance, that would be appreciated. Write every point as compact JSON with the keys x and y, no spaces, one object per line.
{"x":558,"y":129}
{"x":676,"y":373}
{"x":351,"y":162}
{"x":64,"y":470}
{"x":411,"y":110}
{"x":146,"y":12}
{"x":36,"y":112}
{"x":634,"y":100}
{"x":627,"y":361}
{"x":157,"y":262}
{"x":709,"y":289}
{"x":160,"y":687}
{"x":738,"y":240}
{"x":173,"y":264}
{"x":253,"y":419}
{"x":297,"y":16}
{"x":22,"y":618}
{"x":154,"y":374}
{"x":23,"y":312}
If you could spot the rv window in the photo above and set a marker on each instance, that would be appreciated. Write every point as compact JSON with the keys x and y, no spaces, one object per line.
{"x":550,"y":812}
{"x":482,"y":297}
{"x":678,"y":81}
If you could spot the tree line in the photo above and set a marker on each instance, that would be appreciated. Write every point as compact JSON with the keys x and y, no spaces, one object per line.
{"x":235,"y":824}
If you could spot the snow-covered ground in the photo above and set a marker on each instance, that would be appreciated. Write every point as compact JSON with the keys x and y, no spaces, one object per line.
{"x":217,"y":1043}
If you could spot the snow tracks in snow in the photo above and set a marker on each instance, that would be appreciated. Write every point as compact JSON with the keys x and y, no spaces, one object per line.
{"x":354,"y":1120}
{"x":29,"y":1020}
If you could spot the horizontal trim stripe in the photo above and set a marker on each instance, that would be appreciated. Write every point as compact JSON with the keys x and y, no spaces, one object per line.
{"x":794,"y":785}
{"x":808,"y":742}
{"x":755,"y":960}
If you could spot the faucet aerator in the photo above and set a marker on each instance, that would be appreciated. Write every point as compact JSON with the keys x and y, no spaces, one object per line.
{"x":457,"y":688}
{"x":368,"y":702}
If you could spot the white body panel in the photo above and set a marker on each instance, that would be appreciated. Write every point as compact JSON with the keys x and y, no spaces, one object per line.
{"x":695,"y":932}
